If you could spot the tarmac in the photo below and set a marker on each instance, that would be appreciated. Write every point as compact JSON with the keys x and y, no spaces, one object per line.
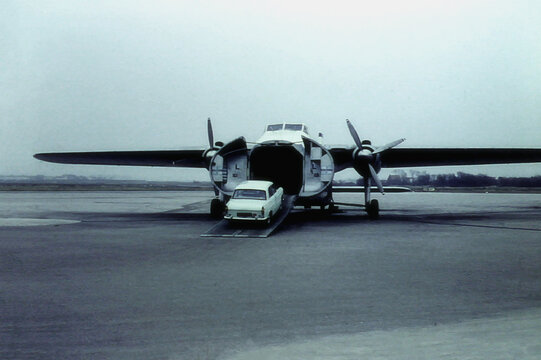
{"x":126,"y":275}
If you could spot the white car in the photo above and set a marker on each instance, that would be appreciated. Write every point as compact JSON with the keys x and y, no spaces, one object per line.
{"x":254,"y":200}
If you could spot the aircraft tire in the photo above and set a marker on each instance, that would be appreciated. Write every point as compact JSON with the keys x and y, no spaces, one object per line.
{"x":373,"y":209}
{"x":332,"y":208}
{"x":217,"y":208}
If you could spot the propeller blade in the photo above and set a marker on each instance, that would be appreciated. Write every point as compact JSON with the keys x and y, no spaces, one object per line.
{"x":374,"y":176}
{"x":388,"y":146}
{"x":211,"y":135}
{"x":354,"y":134}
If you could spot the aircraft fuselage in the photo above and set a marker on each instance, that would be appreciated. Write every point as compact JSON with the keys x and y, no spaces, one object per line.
{"x":285,"y":154}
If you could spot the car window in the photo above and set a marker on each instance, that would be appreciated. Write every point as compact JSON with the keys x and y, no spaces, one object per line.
{"x":250,"y":194}
{"x":272,"y":190}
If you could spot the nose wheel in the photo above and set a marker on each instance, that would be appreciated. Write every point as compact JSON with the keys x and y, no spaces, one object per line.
{"x":372,"y":209}
{"x":217,"y":208}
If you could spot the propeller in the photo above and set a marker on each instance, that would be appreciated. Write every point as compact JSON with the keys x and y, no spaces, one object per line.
{"x":375,"y":177}
{"x":388,"y":146}
{"x":212,"y":144}
{"x":354,"y":134}
{"x":366,"y":159}
{"x":210,"y":133}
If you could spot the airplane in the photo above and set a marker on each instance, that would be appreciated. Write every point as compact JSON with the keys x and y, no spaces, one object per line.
{"x":288,"y":156}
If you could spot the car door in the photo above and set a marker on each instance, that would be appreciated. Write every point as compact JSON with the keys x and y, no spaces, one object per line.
{"x":273,"y":199}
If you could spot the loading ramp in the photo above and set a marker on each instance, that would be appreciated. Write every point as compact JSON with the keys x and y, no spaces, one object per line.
{"x":226,"y":229}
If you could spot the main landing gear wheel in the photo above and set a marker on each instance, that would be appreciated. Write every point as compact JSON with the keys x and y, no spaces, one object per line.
{"x":217,"y":208}
{"x":372,"y":209}
{"x":330,"y":209}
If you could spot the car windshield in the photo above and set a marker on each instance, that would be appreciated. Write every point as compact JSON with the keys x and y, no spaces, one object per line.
{"x":250,"y":194}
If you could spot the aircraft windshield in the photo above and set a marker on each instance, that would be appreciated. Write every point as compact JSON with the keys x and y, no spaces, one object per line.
{"x":274,"y":127}
{"x":294,"y":127}
{"x":250,"y":194}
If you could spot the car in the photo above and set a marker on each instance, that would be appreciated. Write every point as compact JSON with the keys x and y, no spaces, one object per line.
{"x":254,"y":200}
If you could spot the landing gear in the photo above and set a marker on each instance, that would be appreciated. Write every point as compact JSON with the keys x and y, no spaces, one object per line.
{"x":331,"y":209}
{"x":372,"y":208}
{"x":217,"y":208}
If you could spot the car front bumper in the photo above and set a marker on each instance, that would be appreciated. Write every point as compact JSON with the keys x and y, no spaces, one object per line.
{"x":246,"y":216}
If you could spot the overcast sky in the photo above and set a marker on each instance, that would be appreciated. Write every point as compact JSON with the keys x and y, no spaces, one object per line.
{"x":138,"y":75}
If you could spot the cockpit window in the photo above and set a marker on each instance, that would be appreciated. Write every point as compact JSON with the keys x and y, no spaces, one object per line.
{"x":250,"y":194}
{"x":294,"y":127}
{"x":274,"y":127}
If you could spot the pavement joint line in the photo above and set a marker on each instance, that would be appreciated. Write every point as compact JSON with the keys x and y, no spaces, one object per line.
{"x":478,"y":225}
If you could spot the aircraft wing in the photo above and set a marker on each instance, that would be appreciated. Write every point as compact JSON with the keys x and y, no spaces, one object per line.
{"x":342,"y":157}
{"x":457,"y":156}
{"x":392,"y":158}
{"x":412,"y":157}
{"x":168,"y":158}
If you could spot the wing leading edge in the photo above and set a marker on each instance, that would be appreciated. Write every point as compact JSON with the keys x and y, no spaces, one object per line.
{"x":166,"y":158}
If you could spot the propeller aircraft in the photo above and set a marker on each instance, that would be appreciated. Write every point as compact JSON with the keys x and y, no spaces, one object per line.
{"x":290,"y":158}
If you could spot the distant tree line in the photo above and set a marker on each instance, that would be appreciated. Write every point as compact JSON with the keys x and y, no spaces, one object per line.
{"x":92,"y":180}
{"x":397,"y":178}
{"x":461,"y":179}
